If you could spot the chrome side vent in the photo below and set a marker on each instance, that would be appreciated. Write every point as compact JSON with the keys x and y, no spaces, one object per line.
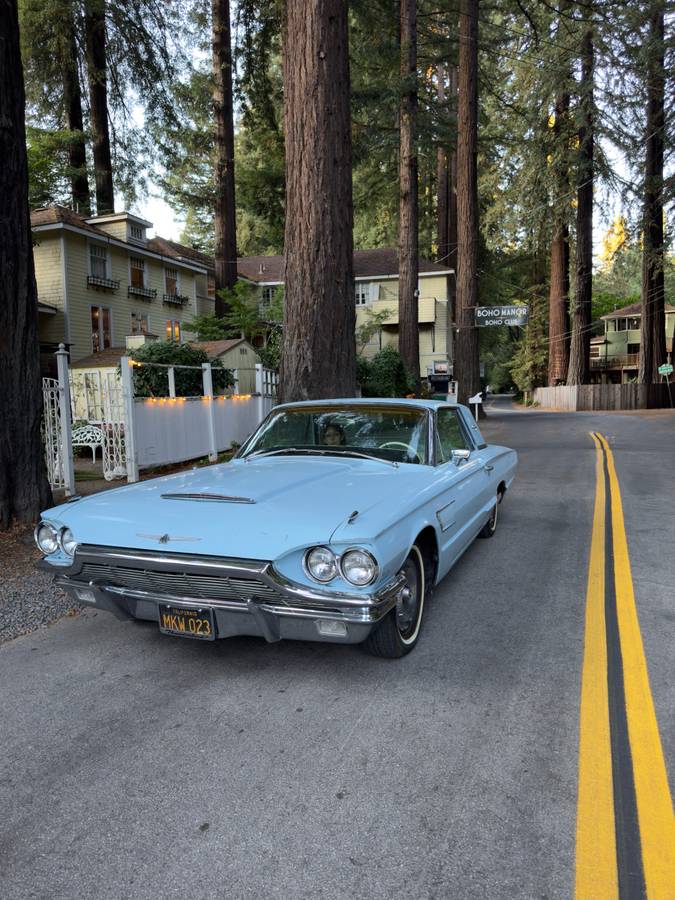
{"x":214,"y":498}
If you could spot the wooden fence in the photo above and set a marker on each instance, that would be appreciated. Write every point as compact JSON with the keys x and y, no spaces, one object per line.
{"x":585,"y":397}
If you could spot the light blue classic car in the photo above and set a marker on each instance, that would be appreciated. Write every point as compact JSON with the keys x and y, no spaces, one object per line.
{"x":333,"y":523}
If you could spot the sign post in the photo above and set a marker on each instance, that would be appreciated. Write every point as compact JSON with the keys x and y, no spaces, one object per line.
{"x":664,"y":371}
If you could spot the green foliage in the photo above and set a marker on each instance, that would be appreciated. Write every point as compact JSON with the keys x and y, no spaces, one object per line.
{"x":47,"y":166}
{"x":243,"y":317}
{"x":153,"y":381}
{"x":207,"y":328}
{"x":369,"y":328}
{"x":385,"y":375}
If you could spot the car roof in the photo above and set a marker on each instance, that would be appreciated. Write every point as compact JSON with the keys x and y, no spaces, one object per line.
{"x":371,"y":401}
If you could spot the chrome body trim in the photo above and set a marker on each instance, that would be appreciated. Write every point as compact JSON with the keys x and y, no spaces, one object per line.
{"x":205,"y":498}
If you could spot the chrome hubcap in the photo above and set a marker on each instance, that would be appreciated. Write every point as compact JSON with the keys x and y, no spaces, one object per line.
{"x":408,"y":603}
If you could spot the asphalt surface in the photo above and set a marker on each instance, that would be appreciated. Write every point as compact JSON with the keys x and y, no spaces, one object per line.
{"x":137,"y":765}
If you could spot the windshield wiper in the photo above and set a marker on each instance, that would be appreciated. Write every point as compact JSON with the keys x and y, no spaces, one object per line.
{"x":317,"y":451}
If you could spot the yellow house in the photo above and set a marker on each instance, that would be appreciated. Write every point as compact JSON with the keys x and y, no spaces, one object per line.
{"x":375,"y":292}
{"x":100,"y":279}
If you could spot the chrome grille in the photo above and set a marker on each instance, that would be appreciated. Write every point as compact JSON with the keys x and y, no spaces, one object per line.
{"x":179,"y":584}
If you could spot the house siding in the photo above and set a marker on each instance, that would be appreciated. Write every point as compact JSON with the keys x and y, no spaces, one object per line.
{"x":81,"y":296}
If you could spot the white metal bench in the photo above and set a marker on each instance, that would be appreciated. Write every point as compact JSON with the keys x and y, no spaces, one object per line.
{"x":89,"y":436}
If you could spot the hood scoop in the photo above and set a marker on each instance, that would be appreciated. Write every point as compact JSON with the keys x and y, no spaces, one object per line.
{"x":208,"y":498}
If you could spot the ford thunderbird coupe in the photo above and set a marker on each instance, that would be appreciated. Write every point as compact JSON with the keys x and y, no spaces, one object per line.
{"x":334,"y":522}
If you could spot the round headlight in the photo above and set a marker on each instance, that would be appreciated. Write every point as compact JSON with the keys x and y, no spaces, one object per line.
{"x":358,"y":567}
{"x":321,"y":564}
{"x":46,"y":538}
{"x":68,"y":542}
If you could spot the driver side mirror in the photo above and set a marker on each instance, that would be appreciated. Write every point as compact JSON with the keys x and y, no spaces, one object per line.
{"x":459,"y":455}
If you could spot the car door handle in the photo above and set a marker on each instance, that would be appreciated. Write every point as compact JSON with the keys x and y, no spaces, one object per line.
{"x":488,"y":468}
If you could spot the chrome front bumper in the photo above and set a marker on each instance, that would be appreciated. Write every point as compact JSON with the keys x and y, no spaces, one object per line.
{"x":248,"y":597}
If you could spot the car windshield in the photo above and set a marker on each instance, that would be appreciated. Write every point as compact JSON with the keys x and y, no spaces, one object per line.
{"x":391,"y":433}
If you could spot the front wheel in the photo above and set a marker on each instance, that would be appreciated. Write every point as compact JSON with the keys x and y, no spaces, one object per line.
{"x":399,"y":631}
{"x":490,"y":526}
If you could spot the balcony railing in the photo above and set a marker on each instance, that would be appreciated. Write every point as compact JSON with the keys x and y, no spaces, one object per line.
{"x":136,"y":290}
{"x":628,"y":361}
{"x":108,"y":284}
{"x":176,"y":299}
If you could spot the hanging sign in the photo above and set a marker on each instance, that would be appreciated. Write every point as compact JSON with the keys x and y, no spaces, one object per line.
{"x":501,"y":315}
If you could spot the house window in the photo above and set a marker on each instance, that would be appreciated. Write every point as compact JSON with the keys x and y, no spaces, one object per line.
{"x":98,"y":261}
{"x":267,"y":296}
{"x":211,"y":287}
{"x":100,"y":328}
{"x":634,"y":324}
{"x":136,"y":233}
{"x":633,"y":348}
{"x":137,"y":271}
{"x":621,"y":324}
{"x":362,"y":293}
{"x":595,"y":351}
{"x":173,"y":330}
{"x":139,"y":323}
{"x":171,"y":281}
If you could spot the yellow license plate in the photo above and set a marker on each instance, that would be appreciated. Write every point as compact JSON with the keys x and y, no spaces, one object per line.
{"x":189,"y":623}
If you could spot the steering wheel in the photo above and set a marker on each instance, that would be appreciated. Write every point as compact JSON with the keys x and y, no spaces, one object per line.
{"x":400,"y":445}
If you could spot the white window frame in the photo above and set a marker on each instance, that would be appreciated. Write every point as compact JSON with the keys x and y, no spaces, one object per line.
{"x":106,"y":250}
{"x":177,"y":271}
{"x":144,"y":270}
{"x":100,"y":327}
{"x":362,"y":293}
{"x":140,"y":239}
{"x":139,"y":313}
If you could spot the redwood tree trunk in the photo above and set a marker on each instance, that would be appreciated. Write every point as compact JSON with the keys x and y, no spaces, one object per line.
{"x":23,"y":481}
{"x":95,"y":40}
{"x":408,"y":252}
{"x":319,"y":349}
{"x":652,"y":325}
{"x":579,"y":366}
{"x":225,"y":210}
{"x":72,"y":100}
{"x":559,"y":317}
{"x":442,"y":187}
{"x":467,"y":370}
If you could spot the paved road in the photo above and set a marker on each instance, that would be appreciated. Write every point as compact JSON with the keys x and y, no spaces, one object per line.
{"x":135,"y":765}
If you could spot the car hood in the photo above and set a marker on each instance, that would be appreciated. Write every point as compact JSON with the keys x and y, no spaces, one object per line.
{"x":282,"y":503}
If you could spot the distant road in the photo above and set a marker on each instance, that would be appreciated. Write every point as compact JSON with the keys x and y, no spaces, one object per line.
{"x":139,"y":766}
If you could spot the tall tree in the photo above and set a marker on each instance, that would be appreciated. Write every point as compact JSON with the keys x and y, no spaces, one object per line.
{"x":652,"y":324}
{"x":408,"y":217}
{"x":72,"y":102}
{"x":578,"y":371}
{"x":559,"y":314}
{"x":95,"y":44}
{"x":225,"y":222}
{"x":23,"y":482}
{"x":319,"y":353}
{"x":467,"y":369}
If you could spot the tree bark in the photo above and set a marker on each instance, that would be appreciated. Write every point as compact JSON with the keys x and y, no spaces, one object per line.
{"x":72,"y":100}
{"x":442,"y":175}
{"x":408,"y":224}
{"x":578,"y":371}
{"x":652,"y":324}
{"x":319,"y":348}
{"x":95,"y":43}
{"x":225,"y":221}
{"x":559,"y":317}
{"x":467,"y":369}
{"x":23,"y":480}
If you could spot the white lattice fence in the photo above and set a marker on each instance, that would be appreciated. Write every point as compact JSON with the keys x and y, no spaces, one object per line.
{"x":51,"y":432}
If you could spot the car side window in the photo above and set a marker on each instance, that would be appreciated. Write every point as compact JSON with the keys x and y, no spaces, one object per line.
{"x":449,"y":435}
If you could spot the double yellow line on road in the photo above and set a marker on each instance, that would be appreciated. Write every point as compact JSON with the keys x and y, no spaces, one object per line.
{"x":625,"y":842}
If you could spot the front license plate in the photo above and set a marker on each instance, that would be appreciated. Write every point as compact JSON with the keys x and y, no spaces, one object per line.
{"x":190,"y":623}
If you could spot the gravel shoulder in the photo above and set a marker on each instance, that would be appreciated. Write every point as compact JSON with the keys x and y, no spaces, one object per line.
{"x":28,"y":597}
